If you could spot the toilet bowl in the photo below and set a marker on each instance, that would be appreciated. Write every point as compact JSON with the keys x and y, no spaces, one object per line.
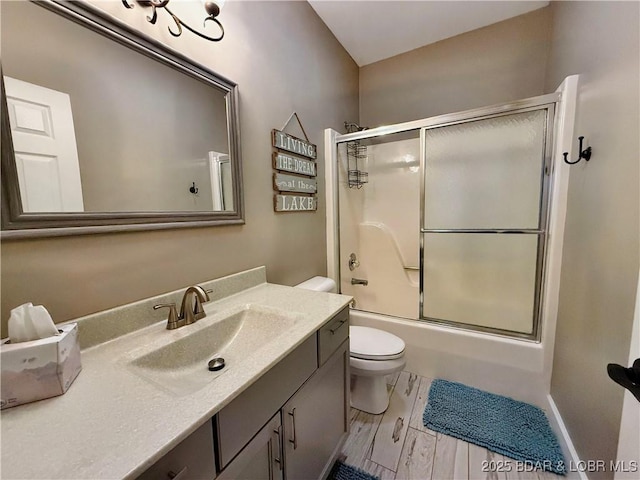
{"x":373,"y":354}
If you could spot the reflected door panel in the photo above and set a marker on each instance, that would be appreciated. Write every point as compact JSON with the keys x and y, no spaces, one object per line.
{"x":45,"y":148}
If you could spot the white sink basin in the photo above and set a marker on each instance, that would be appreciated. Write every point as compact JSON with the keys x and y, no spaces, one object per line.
{"x":176,"y":360}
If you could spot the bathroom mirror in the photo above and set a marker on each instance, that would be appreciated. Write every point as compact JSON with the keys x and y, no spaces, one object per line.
{"x":105,"y":129}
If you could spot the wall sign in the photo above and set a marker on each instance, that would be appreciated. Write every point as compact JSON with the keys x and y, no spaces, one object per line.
{"x":294,"y":203}
{"x":287,"y":142}
{"x":294,"y":183}
{"x":291,"y":164}
{"x":303,"y":168}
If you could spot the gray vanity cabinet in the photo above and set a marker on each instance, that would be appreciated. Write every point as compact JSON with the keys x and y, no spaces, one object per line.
{"x":237,"y":423}
{"x":315,"y":419}
{"x":306,"y":398}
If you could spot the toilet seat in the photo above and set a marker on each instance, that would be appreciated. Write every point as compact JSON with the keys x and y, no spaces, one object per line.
{"x":372,"y":344}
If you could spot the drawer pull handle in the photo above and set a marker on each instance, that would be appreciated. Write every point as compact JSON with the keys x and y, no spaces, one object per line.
{"x":278,"y":459}
{"x":182,"y":474}
{"x":271,"y":459}
{"x":340,"y":323}
{"x":293,"y":440}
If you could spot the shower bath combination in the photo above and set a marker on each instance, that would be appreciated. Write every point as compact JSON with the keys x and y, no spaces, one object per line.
{"x":447,"y":244}
{"x":451,"y":227}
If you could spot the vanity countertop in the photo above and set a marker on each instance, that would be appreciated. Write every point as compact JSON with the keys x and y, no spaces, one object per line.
{"x":113,"y":424}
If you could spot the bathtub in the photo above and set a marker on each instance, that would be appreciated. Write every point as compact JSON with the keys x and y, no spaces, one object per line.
{"x":514,"y":368}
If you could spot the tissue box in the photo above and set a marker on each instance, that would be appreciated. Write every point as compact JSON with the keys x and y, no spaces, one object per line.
{"x":40,"y":368}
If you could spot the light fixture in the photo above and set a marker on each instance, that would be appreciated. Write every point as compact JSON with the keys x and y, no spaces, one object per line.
{"x":212,"y":9}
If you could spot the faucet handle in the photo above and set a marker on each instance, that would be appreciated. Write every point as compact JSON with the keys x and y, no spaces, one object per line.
{"x":173,"y":321}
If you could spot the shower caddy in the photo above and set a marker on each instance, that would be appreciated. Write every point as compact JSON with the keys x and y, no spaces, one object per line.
{"x":356,"y":155}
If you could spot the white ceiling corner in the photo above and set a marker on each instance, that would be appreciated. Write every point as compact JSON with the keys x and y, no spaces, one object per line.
{"x":372,"y":30}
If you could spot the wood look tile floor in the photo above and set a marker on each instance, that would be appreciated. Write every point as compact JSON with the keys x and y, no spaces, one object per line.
{"x":396,"y":445}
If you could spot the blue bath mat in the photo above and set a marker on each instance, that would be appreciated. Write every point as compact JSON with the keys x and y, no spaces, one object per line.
{"x":503,"y":425}
{"x":342,"y":471}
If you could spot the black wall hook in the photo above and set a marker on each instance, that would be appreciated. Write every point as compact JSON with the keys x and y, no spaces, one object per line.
{"x":586,"y":154}
{"x":193,"y":189}
{"x":629,"y":378}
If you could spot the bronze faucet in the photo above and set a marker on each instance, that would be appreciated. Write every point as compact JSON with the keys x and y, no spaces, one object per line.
{"x":191,"y":309}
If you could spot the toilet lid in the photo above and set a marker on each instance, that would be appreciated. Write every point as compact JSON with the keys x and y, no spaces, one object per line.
{"x":373,"y":344}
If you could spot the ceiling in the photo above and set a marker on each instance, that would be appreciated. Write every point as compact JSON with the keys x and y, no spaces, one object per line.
{"x":374,"y":30}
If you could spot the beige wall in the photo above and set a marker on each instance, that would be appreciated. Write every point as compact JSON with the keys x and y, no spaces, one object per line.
{"x":598,"y":40}
{"x":284,"y":59}
{"x":502,"y":62}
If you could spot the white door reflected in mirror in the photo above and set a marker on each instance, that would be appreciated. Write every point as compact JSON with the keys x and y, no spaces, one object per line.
{"x":221,"y":181}
{"x":44,"y":141}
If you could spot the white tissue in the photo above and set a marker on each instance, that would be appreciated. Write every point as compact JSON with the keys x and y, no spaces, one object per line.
{"x":28,"y":322}
{"x":42,"y":322}
{"x":16,"y":326}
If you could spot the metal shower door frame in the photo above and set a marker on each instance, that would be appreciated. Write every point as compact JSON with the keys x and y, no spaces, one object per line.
{"x":544,"y":102}
{"x":548,"y":101}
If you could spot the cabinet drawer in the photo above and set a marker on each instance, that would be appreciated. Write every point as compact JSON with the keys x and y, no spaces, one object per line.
{"x":189,"y":460}
{"x":332,"y":334}
{"x":239,"y":421}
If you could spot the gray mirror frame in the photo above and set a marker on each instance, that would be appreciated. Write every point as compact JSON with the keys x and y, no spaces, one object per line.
{"x":18,"y":224}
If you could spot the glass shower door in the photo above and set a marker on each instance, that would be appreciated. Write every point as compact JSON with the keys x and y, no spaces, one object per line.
{"x":484,"y":221}
{"x":379,"y":224}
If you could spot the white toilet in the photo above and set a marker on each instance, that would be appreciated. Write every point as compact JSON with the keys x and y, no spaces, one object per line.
{"x":373,"y":355}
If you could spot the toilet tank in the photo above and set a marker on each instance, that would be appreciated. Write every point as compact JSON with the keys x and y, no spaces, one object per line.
{"x":318,"y":284}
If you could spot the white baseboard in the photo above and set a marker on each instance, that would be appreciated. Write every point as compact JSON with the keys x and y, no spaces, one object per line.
{"x":569,"y":451}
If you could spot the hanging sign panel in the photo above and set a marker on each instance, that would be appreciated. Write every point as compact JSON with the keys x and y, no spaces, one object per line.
{"x":294,"y":183}
{"x":295,"y":203}
{"x":291,"y":164}
{"x":284,"y":141}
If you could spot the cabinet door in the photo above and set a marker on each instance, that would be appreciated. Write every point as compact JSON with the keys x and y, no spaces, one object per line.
{"x":315,"y":419}
{"x":261,"y":459}
{"x":238,"y":422}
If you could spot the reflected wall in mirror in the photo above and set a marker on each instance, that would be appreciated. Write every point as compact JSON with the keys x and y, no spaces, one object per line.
{"x":106,"y":132}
